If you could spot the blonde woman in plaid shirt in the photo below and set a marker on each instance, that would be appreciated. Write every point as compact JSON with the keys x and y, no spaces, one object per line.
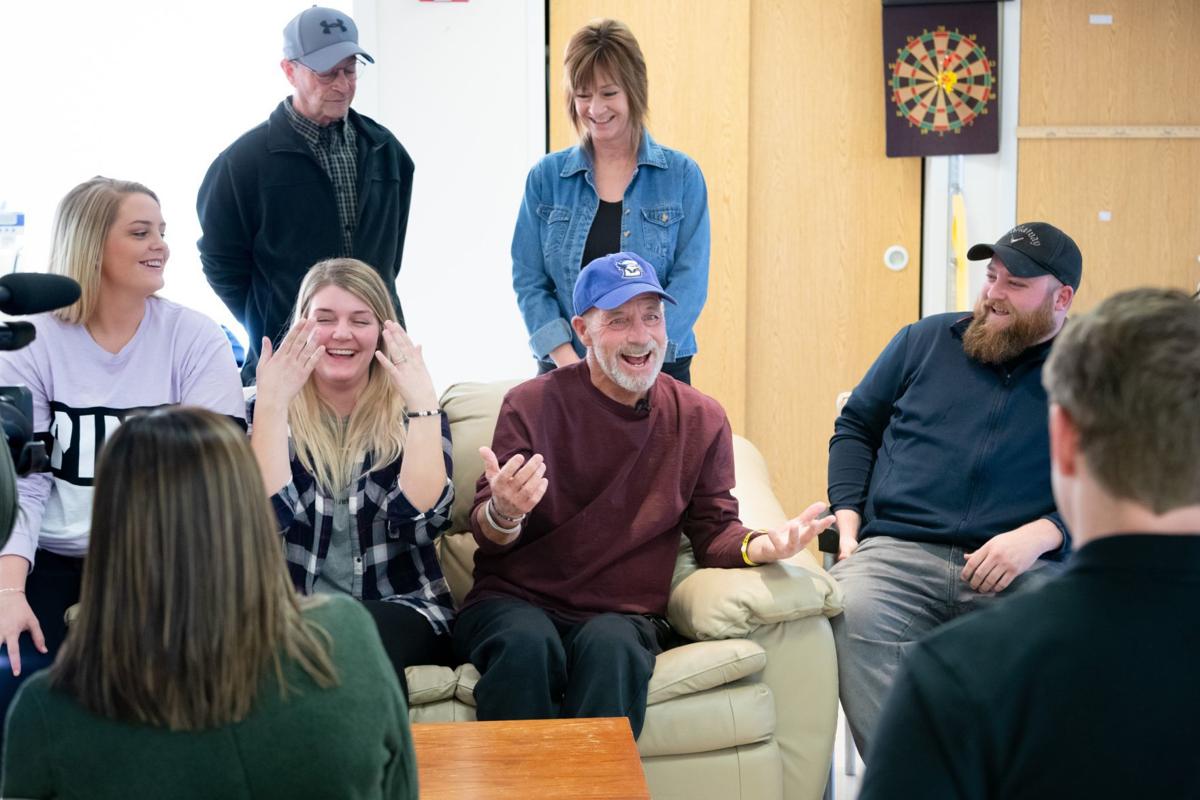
{"x":355,"y":454}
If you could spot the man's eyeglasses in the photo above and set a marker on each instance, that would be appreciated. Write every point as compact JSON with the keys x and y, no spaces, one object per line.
{"x":351,"y":71}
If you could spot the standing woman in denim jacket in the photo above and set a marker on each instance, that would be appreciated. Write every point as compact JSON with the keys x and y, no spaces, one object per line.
{"x":616,"y":190}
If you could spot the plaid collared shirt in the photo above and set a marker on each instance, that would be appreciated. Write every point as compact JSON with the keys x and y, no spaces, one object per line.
{"x":335,"y":147}
{"x":396,"y":560}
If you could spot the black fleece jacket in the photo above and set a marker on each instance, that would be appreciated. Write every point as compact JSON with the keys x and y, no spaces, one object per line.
{"x":268,"y":213}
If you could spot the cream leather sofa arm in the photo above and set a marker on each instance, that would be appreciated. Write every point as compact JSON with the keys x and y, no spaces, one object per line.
{"x":731,"y":603}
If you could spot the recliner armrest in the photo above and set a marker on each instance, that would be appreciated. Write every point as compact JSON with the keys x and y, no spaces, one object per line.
{"x":730,"y":603}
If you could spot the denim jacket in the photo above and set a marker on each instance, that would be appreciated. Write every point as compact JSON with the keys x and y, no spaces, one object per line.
{"x":664,"y":219}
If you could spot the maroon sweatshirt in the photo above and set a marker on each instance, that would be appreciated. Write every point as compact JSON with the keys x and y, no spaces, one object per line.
{"x":624,"y":482}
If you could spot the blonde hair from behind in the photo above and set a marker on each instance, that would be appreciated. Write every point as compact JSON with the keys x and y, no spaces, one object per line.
{"x":81,"y":225}
{"x":186,"y":600}
{"x":330,"y":448}
{"x":608,"y":45}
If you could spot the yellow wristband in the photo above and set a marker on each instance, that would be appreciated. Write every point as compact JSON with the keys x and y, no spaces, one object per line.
{"x":751,"y":536}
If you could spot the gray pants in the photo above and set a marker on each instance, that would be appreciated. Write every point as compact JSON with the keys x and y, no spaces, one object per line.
{"x":897,"y":592}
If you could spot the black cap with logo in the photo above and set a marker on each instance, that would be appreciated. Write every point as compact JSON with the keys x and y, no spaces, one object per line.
{"x":1035,"y":248}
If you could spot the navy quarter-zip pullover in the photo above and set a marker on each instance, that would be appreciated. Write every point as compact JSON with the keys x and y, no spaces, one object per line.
{"x":933,"y":446}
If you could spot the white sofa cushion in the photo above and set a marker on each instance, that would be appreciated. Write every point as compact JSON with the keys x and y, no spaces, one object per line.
{"x":700,"y":666}
{"x":428,"y":683}
{"x":730,"y":603}
{"x":471,"y":409}
{"x":679,"y":671}
{"x":728,"y":716}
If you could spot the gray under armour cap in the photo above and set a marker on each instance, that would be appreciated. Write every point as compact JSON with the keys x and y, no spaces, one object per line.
{"x":321,"y":37}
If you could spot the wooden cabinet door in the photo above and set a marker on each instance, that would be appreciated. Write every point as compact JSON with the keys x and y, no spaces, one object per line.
{"x":825,"y":203}
{"x":1130,"y":204}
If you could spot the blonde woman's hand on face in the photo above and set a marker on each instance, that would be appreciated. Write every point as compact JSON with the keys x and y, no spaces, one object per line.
{"x":282,"y":373}
{"x":16,"y":617}
{"x":404,"y":364}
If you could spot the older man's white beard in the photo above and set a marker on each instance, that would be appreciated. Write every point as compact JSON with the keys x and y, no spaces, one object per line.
{"x":610,"y":363}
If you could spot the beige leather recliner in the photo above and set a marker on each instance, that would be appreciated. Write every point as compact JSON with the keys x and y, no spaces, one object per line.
{"x":749,"y":708}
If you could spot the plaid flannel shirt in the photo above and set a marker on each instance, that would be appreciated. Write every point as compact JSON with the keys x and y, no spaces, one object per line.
{"x":398,"y":563}
{"x":335,"y":146}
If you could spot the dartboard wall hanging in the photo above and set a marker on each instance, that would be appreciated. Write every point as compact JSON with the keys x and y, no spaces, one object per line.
{"x":941,"y":91}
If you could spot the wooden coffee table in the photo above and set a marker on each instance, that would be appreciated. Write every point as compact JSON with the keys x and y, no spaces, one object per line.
{"x":527,"y":759}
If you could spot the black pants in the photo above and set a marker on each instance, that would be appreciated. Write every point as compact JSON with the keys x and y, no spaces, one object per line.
{"x":680,"y":369}
{"x":409,"y":639}
{"x":536,"y":666}
{"x":50,"y":590}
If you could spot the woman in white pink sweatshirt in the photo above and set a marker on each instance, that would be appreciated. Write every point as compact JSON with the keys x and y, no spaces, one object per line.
{"x":118,"y":350}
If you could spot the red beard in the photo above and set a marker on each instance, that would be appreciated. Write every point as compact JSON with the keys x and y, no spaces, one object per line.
{"x":997,"y":345}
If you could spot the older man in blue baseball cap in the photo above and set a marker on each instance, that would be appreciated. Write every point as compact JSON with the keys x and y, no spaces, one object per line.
{"x":612,"y":296}
{"x":595,"y":469}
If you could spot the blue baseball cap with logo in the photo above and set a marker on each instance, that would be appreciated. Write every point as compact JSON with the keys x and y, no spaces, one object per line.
{"x":321,"y":37}
{"x":611,"y":280}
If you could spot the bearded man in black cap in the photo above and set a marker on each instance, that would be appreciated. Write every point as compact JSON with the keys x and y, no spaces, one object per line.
{"x":317,"y":180}
{"x":939,"y":467}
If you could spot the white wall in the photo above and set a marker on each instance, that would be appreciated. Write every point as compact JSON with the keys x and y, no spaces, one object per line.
{"x":151,"y":91}
{"x":141,"y":90}
{"x":462,"y":86}
{"x":989,"y":185}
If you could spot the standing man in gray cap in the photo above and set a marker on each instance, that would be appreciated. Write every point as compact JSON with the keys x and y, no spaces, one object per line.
{"x":939,"y":467}
{"x":315,"y":181}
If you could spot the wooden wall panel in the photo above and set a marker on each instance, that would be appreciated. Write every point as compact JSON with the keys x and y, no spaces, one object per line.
{"x":698,"y":65}
{"x":1148,"y":188}
{"x":1144,"y":69}
{"x":824,"y":205}
{"x":1141,"y":70}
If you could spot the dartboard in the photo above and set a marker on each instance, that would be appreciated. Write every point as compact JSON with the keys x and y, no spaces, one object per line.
{"x":941,"y":81}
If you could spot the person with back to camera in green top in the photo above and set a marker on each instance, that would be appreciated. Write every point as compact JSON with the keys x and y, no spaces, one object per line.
{"x":214,"y":679}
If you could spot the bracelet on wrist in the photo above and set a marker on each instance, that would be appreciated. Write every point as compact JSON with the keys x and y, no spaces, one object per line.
{"x":750,"y":537}
{"x":506,"y":530}
{"x":12,"y":589}
{"x":500,"y":515}
{"x":414,"y":414}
